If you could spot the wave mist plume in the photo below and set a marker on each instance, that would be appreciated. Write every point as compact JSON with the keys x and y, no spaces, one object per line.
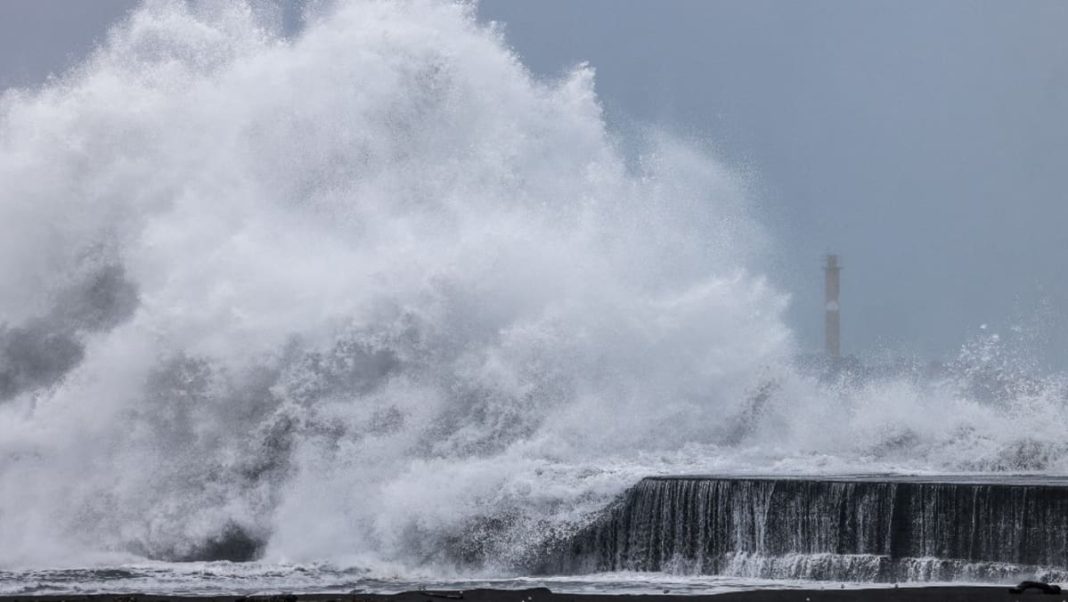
{"x":374,"y":295}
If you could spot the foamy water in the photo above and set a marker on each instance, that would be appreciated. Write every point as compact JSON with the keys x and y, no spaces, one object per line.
{"x":205,"y":579}
{"x":375,"y":296}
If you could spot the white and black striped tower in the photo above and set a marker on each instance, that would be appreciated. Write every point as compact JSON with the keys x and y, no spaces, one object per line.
{"x":832,"y":324}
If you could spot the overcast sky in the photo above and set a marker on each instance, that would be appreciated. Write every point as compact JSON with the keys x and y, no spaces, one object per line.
{"x":926,"y":142}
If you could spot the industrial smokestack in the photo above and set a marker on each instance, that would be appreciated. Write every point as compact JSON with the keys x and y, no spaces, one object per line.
{"x":832,"y":326}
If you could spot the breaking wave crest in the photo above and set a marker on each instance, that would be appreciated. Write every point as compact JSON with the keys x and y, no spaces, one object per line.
{"x":373,"y":295}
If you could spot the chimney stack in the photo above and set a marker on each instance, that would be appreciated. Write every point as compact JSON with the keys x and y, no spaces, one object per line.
{"x":832,"y":326}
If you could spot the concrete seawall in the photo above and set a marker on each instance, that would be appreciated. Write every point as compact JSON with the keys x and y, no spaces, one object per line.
{"x":879,"y":528}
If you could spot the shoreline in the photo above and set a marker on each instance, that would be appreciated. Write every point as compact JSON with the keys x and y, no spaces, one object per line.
{"x":920,"y":593}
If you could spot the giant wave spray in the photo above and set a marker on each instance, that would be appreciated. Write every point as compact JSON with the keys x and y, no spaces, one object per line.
{"x":374,"y":295}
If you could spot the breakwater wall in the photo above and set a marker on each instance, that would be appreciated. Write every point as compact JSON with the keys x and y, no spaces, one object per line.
{"x":856,"y":528}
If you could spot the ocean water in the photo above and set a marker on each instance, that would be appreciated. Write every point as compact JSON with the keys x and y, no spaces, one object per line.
{"x":222,"y":578}
{"x":371,"y":295}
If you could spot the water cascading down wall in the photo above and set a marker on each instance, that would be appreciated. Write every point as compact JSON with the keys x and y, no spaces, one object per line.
{"x":881,"y":529}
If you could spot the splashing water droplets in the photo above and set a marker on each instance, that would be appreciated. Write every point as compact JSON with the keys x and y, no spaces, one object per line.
{"x":374,"y":295}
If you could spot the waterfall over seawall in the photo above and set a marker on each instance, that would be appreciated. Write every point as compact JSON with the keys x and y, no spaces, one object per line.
{"x":841,"y":528}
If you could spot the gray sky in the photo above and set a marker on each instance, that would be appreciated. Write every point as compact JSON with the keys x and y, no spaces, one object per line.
{"x":39,"y":37}
{"x":926,"y":142}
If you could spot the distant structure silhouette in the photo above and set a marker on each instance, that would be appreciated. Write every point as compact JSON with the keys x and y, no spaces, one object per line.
{"x":832,"y":323}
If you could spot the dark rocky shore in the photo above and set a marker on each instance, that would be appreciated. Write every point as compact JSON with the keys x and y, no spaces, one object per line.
{"x":919,"y":594}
